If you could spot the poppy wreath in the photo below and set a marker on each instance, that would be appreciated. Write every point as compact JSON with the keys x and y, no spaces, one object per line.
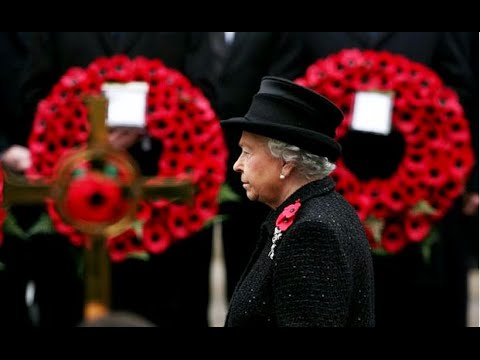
{"x":437,"y":158}
{"x":178,"y":115}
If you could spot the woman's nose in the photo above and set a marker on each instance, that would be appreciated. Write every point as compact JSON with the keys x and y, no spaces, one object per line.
{"x":236,"y":166}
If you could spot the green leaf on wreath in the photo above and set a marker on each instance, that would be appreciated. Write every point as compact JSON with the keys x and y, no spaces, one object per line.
{"x":43,"y":225}
{"x":427,"y":244}
{"x":137,"y":227}
{"x":376,"y":226}
{"x":78,"y":256}
{"x":423,"y":207}
{"x":139,"y":255}
{"x":78,"y":173}
{"x":2,"y":266}
{"x":10,"y":226}
{"x":216,"y":219}
{"x":227,"y":194}
{"x":380,"y":252}
{"x":111,"y":171}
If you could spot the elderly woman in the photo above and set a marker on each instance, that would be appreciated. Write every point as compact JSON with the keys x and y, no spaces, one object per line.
{"x":312,"y":265}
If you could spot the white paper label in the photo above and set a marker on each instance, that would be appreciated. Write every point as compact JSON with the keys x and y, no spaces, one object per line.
{"x":372,"y":112}
{"x":127,"y":103}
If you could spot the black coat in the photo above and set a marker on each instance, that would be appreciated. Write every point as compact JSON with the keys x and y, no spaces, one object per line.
{"x":251,"y":56}
{"x":13,"y":55}
{"x":321,"y":273}
{"x":13,"y":251}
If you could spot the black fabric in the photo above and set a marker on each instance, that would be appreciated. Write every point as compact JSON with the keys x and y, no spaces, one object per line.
{"x":118,"y":38}
{"x":13,"y":56}
{"x":220,"y":49}
{"x":14,"y":258}
{"x":321,"y":274}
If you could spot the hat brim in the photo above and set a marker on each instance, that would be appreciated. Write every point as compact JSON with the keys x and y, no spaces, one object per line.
{"x":311,"y":141}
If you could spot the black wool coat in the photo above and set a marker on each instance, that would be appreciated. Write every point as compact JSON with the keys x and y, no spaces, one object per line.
{"x":321,"y":274}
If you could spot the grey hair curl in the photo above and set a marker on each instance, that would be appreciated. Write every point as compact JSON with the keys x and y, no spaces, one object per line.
{"x":313,"y":167}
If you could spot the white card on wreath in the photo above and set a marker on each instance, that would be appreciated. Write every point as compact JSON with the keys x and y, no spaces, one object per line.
{"x":127,"y":103}
{"x":372,"y":112}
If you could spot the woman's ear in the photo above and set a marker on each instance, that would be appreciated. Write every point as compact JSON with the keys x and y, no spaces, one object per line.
{"x":287,"y":168}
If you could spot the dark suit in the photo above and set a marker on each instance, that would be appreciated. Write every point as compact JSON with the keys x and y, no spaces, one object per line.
{"x":230,"y":89}
{"x":13,"y":53}
{"x":13,"y":254}
{"x":171,"y":289}
{"x":409,"y":291}
{"x":469,"y":223}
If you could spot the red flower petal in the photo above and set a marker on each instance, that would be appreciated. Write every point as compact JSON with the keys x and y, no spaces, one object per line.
{"x":156,"y":238}
{"x":286,"y":218}
{"x":417,"y":227}
{"x":393,"y":239}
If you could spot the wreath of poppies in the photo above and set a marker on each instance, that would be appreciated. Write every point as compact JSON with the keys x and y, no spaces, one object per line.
{"x":438,"y":156}
{"x":178,"y":115}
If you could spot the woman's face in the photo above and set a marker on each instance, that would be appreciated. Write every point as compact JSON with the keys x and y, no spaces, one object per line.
{"x":260,"y":170}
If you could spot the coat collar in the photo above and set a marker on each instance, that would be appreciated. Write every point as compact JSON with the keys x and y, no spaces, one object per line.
{"x":129,"y":39}
{"x":236,"y":47}
{"x":366,"y":41}
{"x":305,"y":193}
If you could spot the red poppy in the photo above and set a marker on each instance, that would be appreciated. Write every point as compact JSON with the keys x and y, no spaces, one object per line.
{"x":95,"y":198}
{"x":285,"y":219}
{"x":156,"y":237}
{"x":417,"y":227}
{"x":75,"y":237}
{"x":393,"y":238}
{"x":438,"y":152}
{"x":118,"y":246}
{"x":134,"y":244}
{"x":144,"y":211}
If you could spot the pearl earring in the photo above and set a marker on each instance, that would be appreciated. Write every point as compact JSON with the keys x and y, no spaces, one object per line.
{"x":282,"y":177}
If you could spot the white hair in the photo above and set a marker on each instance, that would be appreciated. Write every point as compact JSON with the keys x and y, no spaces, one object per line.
{"x":311,"y":166}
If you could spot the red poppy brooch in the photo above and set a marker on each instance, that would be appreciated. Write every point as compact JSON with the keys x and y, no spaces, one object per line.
{"x":284,"y":221}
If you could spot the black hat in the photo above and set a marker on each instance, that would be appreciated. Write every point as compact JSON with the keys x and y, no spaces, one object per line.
{"x":291,"y":113}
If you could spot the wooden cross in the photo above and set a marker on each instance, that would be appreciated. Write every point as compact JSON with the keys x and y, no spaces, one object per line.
{"x":97,"y":264}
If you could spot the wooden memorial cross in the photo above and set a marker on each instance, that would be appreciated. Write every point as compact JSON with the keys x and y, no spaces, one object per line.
{"x":135,"y":187}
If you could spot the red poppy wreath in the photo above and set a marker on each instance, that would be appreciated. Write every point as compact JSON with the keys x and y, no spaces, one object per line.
{"x":437,"y":156}
{"x":178,"y":115}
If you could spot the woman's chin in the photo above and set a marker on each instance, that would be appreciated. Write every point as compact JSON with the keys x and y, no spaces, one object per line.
{"x":251,"y":196}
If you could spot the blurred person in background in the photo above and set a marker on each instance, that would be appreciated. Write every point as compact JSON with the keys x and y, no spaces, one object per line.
{"x":228,"y":67}
{"x":13,"y":251}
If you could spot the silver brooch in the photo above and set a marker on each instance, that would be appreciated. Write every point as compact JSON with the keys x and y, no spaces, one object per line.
{"x":276,"y":236}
